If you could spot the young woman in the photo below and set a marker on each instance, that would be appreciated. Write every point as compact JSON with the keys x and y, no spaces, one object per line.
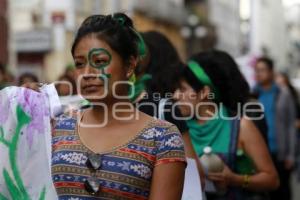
{"x":153,"y":86}
{"x":129,"y":157}
{"x":212,"y":88}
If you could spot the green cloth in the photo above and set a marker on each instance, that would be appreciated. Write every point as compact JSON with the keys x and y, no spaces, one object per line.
{"x":244,"y":164}
{"x":214,"y":133}
{"x":200,"y":74}
{"x":139,"y":87}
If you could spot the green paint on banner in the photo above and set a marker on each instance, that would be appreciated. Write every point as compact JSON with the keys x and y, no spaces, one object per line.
{"x":14,"y":191}
{"x":15,"y":184}
{"x":3,"y":197}
{"x":43,"y":194}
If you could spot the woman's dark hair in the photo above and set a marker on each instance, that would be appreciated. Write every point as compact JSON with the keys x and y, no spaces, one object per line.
{"x":225,"y":76}
{"x":116,"y":30}
{"x":70,"y":80}
{"x":164,"y":64}
{"x":26,"y":75}
{"x":268,"y":62}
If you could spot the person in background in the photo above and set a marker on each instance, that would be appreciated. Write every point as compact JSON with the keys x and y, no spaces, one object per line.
{"x":283,"y":80}
{"x":280,"y":112}
{"x":27,"y":78}
{"x":153,"y":86}
{"x":211,"y":91}
{"x":66,"y":86}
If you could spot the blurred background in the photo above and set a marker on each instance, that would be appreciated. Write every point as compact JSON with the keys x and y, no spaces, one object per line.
{"x":36,"y":35}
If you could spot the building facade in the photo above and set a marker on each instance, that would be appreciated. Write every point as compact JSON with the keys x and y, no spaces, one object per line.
{"x":4,"y":32}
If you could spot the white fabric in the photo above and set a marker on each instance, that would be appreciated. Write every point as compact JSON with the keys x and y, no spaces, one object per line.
{"x":54,"y":101}
{"x":33,"y":149}
{"x":192,"y":185}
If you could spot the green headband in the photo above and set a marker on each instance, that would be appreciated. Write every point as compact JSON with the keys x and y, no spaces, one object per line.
{"x":141,"y":44}
{"x":201,"y":75}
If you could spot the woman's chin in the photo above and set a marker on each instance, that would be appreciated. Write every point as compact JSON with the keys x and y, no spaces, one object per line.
{"x":93,"y":96}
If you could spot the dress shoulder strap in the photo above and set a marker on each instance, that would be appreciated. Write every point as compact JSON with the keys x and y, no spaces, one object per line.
{"x":234,"y":136}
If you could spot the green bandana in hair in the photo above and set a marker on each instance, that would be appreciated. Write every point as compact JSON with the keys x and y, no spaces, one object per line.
{"x":139,"y":87}
{"x":202,"y":77}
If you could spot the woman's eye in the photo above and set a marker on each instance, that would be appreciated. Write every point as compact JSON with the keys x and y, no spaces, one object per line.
{"x":79,"y":64}
{"x":100,"y":62}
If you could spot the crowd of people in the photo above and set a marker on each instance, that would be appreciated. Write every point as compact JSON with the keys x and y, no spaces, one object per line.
{"x":183,"y":107}
{"x":65,"y":84}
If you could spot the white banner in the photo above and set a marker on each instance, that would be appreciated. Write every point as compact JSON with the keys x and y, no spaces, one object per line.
{"x":25,"y":145}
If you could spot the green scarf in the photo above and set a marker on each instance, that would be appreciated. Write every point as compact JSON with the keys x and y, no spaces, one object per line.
{"x":214,"y":133}
{"x":139,"y":87}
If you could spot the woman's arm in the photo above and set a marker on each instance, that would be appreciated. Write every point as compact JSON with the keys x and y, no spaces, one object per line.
{"x":254,"y":146}
{"x":169,"y":168}
{"x":266,"y":178}
{"x":167,"y":181}
{"x":190,"y":153}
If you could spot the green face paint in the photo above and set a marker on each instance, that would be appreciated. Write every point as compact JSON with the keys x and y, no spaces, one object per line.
{"x":100,"y":59}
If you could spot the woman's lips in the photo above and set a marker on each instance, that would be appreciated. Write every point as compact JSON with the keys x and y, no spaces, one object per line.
{"x":91,"y":88}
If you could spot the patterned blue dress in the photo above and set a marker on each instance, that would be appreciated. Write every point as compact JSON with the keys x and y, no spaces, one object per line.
{"x":125,"y":172}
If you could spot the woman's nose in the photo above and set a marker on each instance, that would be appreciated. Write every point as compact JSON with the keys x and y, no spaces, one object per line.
{"x":90,"y":72}
{"x":176,"y":95}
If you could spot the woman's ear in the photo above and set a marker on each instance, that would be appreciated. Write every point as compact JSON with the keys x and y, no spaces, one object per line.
{"x":204,"y":93}
{"x":131,"y":67}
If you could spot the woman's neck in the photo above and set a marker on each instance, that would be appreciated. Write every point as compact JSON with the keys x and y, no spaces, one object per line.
{"x":110,"y":112}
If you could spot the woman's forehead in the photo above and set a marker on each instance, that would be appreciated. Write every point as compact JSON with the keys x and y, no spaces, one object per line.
{"x":88,"y":43}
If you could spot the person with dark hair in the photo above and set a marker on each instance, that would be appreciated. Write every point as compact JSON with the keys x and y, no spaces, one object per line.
{"x":129,"y":157}
{"x":27,"y":78}
{"x":161,"y":60}
{"x":164,"y":60}
{"x":267,"y":61}
{"x":212,"y":89}
{"x":280,"y":112}
{"x":66,"y":86}
{"x":283,"y":80}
